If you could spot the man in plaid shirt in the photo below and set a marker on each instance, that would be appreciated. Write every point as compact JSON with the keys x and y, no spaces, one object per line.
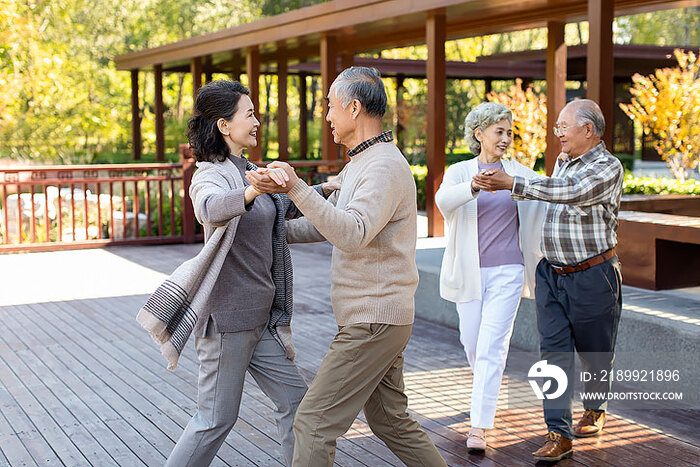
{"x":577,"y":292}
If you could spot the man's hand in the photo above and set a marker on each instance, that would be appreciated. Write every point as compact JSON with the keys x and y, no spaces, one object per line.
{"x":330,"y":186}
{"x":493,"y":180}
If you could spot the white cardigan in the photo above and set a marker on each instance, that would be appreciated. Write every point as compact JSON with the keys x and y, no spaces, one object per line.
{"x":460,"y":275}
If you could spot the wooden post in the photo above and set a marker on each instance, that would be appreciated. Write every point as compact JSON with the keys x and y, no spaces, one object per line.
{"x":303,"y":118}
{"x":487,"y":87}
{"x":556,"y":88}
{"x":600,"y":62}
{"x":158,"y":109}
{"x":329,"y":71}
{"x":135,"y":116}
{"x":196,"y":70}
{"x":347,"y":59}
{"x":208,"y":77}
{"x":252,"y":69}
{"x":188,"y":219}
{"x":435,"y":138}
{"x":282,"y":118}
{"x":397,"y":110}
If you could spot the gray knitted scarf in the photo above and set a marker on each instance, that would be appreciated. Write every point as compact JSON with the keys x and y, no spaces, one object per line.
{"x":172,"y":311}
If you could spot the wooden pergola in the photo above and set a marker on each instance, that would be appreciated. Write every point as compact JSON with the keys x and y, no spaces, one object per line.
{"x":334,"y":32}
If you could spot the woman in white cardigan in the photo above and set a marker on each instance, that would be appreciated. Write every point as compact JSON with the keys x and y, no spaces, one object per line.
{"x":492,"y":249}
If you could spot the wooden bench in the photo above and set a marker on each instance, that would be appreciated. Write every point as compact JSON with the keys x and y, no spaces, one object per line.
{"x":659,"y":251}
{"x":680,"y":205}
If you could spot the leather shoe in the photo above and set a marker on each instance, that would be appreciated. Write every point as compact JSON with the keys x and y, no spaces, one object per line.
{"x":556,"y":447}
{"x":591,"y":424}
{"x":476,"y":440}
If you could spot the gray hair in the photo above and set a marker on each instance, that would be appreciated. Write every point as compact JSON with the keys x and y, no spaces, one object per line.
{"x":483,"y":116}
{"x":364,"y":84}
{"x":587,"y":111}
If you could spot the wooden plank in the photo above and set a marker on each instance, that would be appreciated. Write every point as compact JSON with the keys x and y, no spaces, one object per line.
{"x":95,"y":375}
{"x":148,"y":400}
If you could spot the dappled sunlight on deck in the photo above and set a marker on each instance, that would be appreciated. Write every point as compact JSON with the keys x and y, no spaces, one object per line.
{"x":81,"y":382}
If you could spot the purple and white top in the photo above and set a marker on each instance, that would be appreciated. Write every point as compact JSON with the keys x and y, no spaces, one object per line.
{"x":497,"y":225}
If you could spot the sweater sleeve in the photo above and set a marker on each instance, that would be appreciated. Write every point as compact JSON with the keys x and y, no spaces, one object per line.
{"x":377,"y":193}
{"x":454,"y":191}
{"x":292,"y":210}
{"x":213,"y":201}
{"x":302,"y":231}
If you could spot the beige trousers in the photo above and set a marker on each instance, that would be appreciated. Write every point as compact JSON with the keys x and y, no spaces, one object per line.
{"x":363,"y":369}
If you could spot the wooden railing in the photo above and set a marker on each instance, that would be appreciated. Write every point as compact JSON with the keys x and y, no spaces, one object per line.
{"x":83,"y":206}
{"x":45,"y":208}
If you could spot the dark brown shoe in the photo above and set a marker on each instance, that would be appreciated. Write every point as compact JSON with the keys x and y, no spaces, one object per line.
{"x":591,"y":424}
{"x":556,"y":447}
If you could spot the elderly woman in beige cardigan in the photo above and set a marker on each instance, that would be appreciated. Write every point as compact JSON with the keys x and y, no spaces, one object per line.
{"x":490,"y":258}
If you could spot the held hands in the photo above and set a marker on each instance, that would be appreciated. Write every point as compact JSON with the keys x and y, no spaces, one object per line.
{"x":492,"y":180}
{"x":277,"y":177}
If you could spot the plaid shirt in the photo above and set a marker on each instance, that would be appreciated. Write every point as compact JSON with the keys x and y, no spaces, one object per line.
{"x":386,"y":137}
{"x":584,"y":193}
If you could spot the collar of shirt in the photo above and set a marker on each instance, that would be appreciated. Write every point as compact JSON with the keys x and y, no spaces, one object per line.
{"x":385,"y":137}
{"x":587,"y":156}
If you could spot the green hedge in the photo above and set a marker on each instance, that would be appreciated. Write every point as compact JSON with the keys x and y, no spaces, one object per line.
{"x":659,"y":186}
{"x":631,"y":185}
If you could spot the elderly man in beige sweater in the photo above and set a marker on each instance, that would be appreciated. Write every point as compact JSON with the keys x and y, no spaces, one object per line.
{"x":371,"y":222}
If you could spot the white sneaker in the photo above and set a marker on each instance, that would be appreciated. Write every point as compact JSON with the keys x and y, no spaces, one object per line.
{"x":476,"y":439}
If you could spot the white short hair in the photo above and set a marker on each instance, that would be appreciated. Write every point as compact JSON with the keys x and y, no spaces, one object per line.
{"x":483,"y":116}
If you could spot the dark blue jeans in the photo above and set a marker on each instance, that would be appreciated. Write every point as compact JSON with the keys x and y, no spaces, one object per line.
{"x":578,"y":311}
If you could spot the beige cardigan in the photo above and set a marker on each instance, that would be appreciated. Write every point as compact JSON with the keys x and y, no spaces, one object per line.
{"x":460,"y":274}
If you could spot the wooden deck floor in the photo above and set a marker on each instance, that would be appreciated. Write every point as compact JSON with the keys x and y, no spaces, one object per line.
{"x":82,"y":384}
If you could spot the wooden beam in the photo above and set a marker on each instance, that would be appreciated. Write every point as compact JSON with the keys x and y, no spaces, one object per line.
{"x":303,"y":118}
{"x":556,"y":89}
{"x":196,"y":70}
{"x":135,"y":117}
{"x":159,"y":110}
{"x":329,"y":71}
{"x":600,"y":63}
{"x":282,"y":117}
{"x":435,"y":138}
{"x":252,"y":69}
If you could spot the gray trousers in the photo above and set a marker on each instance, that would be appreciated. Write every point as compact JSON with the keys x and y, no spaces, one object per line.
{"x":223,"y":360}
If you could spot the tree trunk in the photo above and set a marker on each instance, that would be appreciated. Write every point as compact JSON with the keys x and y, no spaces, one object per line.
{"x":178,"y":106}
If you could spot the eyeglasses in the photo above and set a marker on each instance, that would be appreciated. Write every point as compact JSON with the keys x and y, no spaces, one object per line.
{"x":560,"y":130}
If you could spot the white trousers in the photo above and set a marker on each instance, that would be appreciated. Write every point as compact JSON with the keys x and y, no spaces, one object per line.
{"x":485,"y":327}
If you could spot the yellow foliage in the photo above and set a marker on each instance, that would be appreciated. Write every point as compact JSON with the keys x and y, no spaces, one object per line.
{"x":667,"y":104}
{"x":529,"y":109}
